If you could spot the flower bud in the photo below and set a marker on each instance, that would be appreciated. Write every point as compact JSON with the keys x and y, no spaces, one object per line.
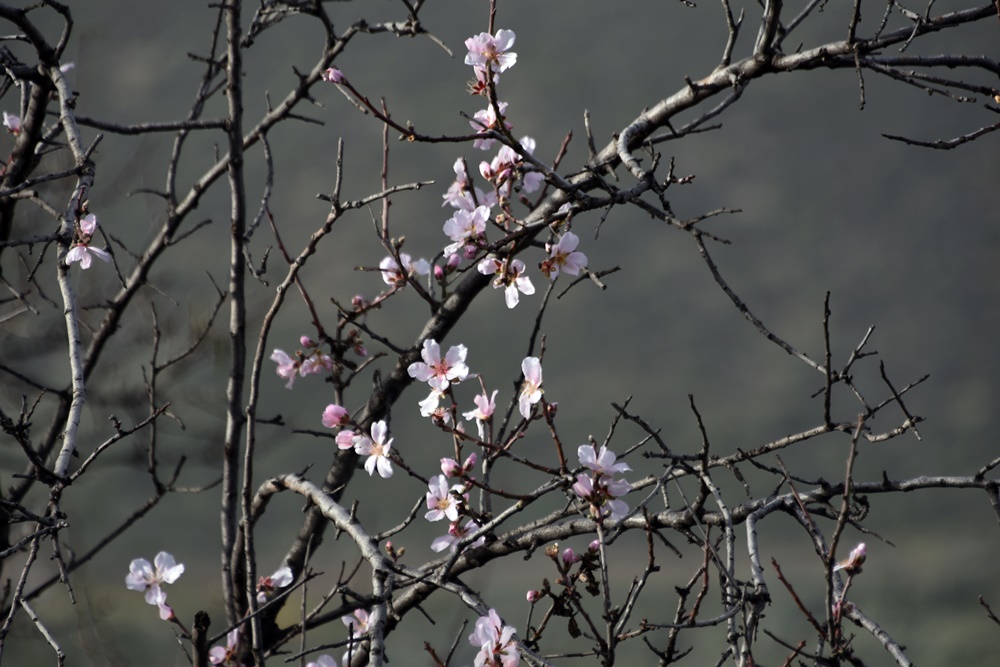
{"x":534,"y":596}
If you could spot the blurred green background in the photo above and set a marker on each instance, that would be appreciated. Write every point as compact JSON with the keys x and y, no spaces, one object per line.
{"x":904,"y":238}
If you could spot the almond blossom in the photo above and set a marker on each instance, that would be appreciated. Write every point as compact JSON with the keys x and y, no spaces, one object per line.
{"x":312,"y":361}
{"x":460,"y":191}
{"x":81,"y":250}
{"x":394,"y":275}
{"x":485,"y":120}
{"x":509,"y":276}
{"x":437,"y":372}
{"x":267,"y":587}
{"x":603,"y":462}
{"x":145,"y":577}
{"x":227,"y":655}
{"x":508,"y":166}
{"x":531,"y":388}
{"x":853,"y":563}
{"x":333,"y":75}
{"x":563,"y":256}
{"x":495,"y":640}
{"x":357,"y":625}
{"x":603,"y":494}
{"x":487,"y":52}
{"x":377,"y":450}
{"x":455,"y":534}
{"x":466,"y":228}
{"x":441,"y":502}
{"x":485,"y":405}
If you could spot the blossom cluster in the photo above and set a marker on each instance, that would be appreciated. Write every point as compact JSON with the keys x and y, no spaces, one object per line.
{"x":309,"y":361}
{"x":600,"y":488}
{"x":497,"y":647}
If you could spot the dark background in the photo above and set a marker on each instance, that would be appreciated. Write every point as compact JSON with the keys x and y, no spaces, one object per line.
{"x":904,"y":238}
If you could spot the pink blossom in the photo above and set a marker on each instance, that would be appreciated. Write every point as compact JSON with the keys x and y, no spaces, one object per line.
{"x":12,"y":123}
{"x":268,"y":586}
{"x":437,"y":372}
{"x":603,"y":494}
{"x":323,"y":661}
{"x":333,"y":75}
{"x":315,"y":363}
{"x":377,"y":450}
{"x":88,"y":224}
{"x":166,"y":611}
{"x":485,"y":405}
{"x":466,"y":228}
{"x":495,"y":640}
{"x":509,"y":276}
{"x":227,"y":655}
{"x":459,"y":193}
{"x":853,"y":563}
{"x":441,"y":502}
{"x":345,"y":439}
{"x":508,"y":166}
{"x":564,"y":256}
{"x":82,"y":253}
{"x":455,"y":534}
{"x":531,"y":389}
{"x":603,"y":463}
{"x":287,"y":367}
{"x":485,"y":120}
{"x":334,"y":416}
{"x":487,"y":52}
{"x":392,"y":274}
{"x":357,"y":623}
{"x":144,"y":577}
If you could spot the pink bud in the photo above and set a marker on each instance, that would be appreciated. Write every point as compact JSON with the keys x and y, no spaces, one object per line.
{"x":470,"y":462}
{"x":470,"y":251}
{"x":453,"y":263}
{"x":359,"y":302}
{"x":334,"y":416}
{"x":451,"y":468}
{"x":438,"y":272}
{"x":594,"y":546}
{"x":534,"y":596}
{"x":569,"y":557}
{"x":333,"y":75}
{"x":306,"y":341}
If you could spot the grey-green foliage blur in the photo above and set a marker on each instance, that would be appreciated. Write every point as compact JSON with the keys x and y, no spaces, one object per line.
{"x":906,"y":239}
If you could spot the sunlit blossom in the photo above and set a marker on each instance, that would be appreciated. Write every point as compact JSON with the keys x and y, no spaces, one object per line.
{"x":531,"y":388}
{"x":377,"y":450}
{"x":148,"y":578}
{"x":563,"y":256}
{"x":485,"y":405}
{"x":437,"y":372}
{"x":267,"y":587}
{"x":488,"y":52}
